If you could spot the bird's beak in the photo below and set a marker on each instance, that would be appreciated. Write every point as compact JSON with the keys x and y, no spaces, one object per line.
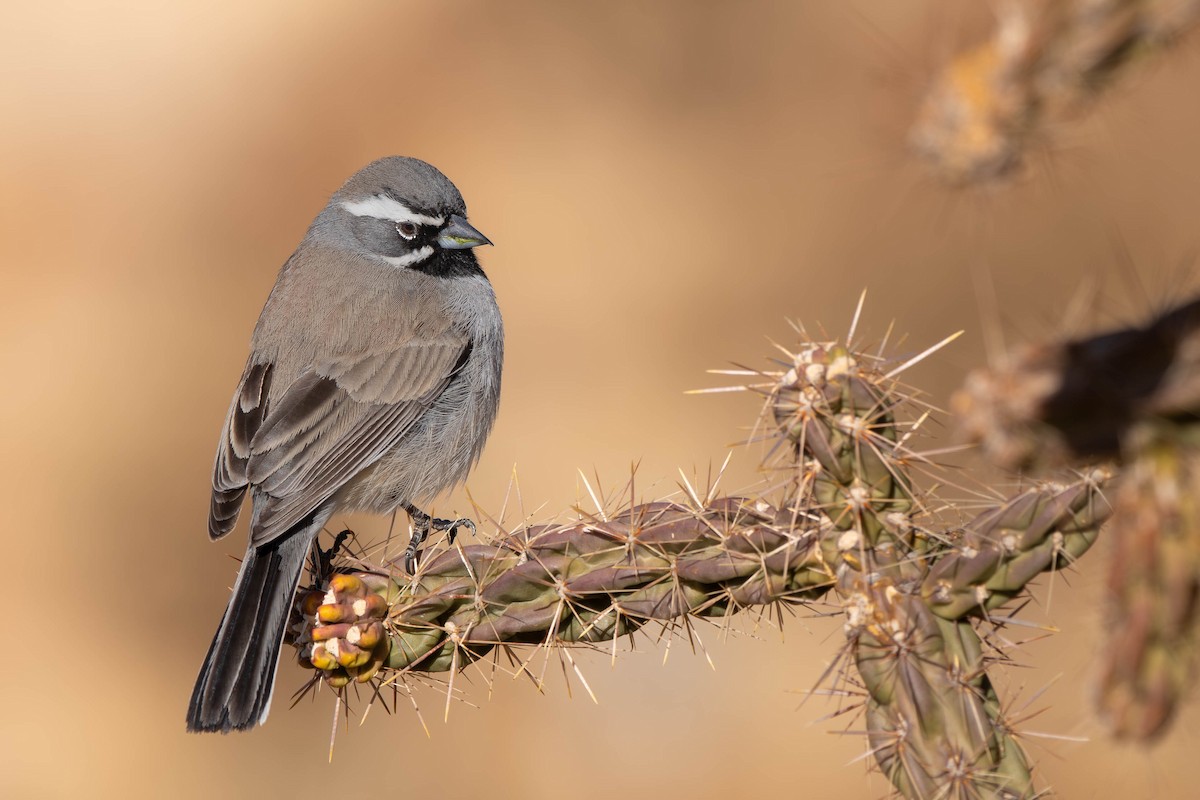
{"x":460,"y":235}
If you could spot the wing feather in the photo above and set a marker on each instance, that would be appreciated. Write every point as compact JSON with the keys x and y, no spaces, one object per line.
{"x":242,"y":423}
{"x":336,"y":419}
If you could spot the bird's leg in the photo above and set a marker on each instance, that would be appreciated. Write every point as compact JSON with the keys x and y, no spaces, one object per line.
{"x":422,"y":523}
{"x":324,"y":558}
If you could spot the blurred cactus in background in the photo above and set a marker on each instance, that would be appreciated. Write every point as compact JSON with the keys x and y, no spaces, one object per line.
{"x":1044,"y":63}
{"x":850,"y":514}
{"x":1130,"y":397}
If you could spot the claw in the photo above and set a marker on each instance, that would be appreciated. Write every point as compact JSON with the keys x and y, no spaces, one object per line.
{"x":422,"y":524}
{"x":410,"y":553}
{"x":451,"y":526}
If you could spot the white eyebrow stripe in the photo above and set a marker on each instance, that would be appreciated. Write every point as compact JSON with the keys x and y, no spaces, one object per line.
{"x":383,"y":207}
{"x":408,"y":259}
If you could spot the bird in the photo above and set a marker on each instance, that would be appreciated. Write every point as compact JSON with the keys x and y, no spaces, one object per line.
{"x":372,"y":383}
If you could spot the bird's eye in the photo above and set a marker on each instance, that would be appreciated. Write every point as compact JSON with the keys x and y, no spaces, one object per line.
{"x":407,"y":230}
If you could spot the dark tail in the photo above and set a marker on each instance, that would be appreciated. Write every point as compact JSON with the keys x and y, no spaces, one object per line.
{"x":233,"y":690}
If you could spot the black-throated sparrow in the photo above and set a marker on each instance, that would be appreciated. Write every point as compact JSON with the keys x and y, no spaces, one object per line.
{"x":372,"y":383}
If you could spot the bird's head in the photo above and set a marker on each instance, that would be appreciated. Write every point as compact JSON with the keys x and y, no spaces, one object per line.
{"x":407,"y":213}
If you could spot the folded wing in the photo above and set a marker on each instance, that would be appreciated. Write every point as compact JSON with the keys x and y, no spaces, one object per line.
{"x":298,"y":446}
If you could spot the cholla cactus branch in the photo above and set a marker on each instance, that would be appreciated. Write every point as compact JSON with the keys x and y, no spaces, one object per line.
{"x":933,"y":720}
{"x":1154,"y":582}
{"x":1003,"y":549}
{"x":599,"y":580}
{"x":933,"y":717}
{"x":840,"y":422}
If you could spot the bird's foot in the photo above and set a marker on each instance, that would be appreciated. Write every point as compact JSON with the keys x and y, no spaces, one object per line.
{"x":323,"y":559}
{"x":422,"y":523}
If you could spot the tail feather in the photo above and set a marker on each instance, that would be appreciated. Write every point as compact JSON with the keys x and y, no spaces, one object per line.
{"x":233,"y":690}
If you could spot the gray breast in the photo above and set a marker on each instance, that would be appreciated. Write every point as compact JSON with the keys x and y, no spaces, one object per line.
{"x":439,"y":450}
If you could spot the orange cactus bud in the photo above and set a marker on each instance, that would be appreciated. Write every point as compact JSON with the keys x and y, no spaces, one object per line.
{"x":310,"y":602}
{"x":350,"y":655}
{"x":323,"y":633}
{"x":376,"y":607}
{"x":342,"y":583}
{"x":334,"y":613}
{"x":366,"y":672}
{"x":337,"y":679}
{"x":322,"y":659}
{"x":369,"y":634}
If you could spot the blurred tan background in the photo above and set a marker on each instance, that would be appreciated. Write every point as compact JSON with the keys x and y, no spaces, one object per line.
{"x":665,"y":184}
